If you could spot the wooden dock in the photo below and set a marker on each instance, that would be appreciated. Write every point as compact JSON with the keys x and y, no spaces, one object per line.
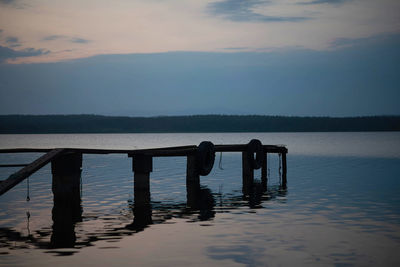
{"x":66,"y":165}
{"x":66,"y":168}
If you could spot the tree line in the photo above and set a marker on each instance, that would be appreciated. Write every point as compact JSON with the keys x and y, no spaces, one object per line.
{"x":34,"y":124}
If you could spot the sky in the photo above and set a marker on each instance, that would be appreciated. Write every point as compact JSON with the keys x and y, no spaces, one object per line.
{"x":170,"y":57}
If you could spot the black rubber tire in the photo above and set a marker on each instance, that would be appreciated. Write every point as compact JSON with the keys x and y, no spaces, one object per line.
{"x":205,"y":158}
{"x":255,"y":147}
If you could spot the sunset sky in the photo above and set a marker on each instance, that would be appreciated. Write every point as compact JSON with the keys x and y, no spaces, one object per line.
{"x":170,"y":57}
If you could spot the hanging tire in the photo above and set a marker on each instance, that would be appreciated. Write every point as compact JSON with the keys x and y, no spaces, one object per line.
{"x":255,"y":153}
{"x":205,"y":157}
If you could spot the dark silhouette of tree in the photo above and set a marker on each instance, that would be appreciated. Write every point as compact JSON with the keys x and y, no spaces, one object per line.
{"x":13,"y":124}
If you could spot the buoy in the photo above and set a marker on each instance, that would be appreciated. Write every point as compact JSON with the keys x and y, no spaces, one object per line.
{"x":205,"y":157}
{"x":255,"y":153}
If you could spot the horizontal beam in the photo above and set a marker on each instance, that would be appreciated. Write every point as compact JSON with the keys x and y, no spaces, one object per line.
{"x":243,"y":148}
{"x":25,"y":172}
{"x":275,"y":149}
{"x":155,"y":152}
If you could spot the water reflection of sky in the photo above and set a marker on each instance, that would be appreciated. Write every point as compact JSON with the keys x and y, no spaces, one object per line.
{"x":337,"y":210}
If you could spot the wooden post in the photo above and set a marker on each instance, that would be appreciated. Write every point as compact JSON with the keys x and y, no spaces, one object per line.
{"x":142,"y":165}
{"x":284,"y":170}
{"x":67,"y":210}
{"x":66,"y":170}
{"x":264,"y":172}
{"x":192,"y":181}
{"x":248,"y":174}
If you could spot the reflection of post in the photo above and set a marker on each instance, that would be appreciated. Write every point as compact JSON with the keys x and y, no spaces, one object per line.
{"x":284,"y":170}
{"x":264,"y":172}
{"x":67,"y":210}
{"x":142,"y":166}
{"x":248,"y":173}
{"x":192,"y":181}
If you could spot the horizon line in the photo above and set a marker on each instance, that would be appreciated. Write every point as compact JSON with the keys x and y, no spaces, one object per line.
{"x":210,"y":114}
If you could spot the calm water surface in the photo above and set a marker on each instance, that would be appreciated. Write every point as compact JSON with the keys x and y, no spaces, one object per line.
{"x":341,"y":206}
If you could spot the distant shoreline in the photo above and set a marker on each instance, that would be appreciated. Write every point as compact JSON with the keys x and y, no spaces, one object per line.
{"x":46,"y":124}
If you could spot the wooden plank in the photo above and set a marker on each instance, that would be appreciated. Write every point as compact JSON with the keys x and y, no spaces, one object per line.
{"x":22,"y":174}
{"x":230,"y":148}
{"x":165,"y":152}
{"x":275,"y":149}
{"x":149,"y":151}
{"x":161,"y":152}
{"x":242,"y":148}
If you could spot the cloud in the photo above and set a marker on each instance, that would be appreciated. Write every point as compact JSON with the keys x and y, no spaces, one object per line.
{"x":364,"y":41}
{"x":52,"y":37}
{"x":8,"y":53}
{"x":242,"y":11}
{"x":236,"y":48}
{"x":354,"y":80}
{"x":12,"y":41}
{"x":13,"y":3}
{"x":7,"y":2}
{"x":79,"y":40}
{"x":317,"y":2}
{"x":76,"y":40}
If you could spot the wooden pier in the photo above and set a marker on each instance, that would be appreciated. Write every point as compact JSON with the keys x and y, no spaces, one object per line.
{"x":66,"y":169}
{"x":66,"y":164}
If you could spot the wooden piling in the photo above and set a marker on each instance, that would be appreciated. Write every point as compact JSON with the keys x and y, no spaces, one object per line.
{"x":192,"y":180}
{"x":247,"y":174}
{"x":67,"y":209}
{"x":66,"y":170}
{"x":264,"y":172}
{"x":142,"y":165}
{"x":284,"y":170}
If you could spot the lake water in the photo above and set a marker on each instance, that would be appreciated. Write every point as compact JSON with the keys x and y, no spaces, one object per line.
{"x":341,"y":206}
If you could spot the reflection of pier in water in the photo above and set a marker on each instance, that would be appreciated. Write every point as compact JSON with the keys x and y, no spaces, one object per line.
{"x":201,"y":204}
{"x":203,"y":208}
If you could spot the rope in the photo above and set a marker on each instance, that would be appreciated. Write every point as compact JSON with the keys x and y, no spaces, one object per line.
{"x":220,"y":161}
{"x":28,"y":214}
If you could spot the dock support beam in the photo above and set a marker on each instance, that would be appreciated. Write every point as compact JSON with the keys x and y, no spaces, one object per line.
{"x":264,"y":172}
{"x":248,"y":174}
{"x":67,"y":209}
{"x":284,"y":170}
{"x":192,"y":181}
{"x":142,"y":165}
